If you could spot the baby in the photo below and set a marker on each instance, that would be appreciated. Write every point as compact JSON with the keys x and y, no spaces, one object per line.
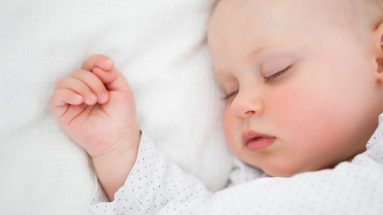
{"x":304,"y":89}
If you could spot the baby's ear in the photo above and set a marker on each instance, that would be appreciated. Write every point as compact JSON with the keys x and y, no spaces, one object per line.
{"x":378,"y":50}
{"x":378,"y":40}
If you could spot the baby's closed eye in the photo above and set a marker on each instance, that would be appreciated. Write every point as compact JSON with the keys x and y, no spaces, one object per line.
{"x":276,"y":74}
{"x":230,"y":95}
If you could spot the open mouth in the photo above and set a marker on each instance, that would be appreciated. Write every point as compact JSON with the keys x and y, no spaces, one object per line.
{"x":256,"y":141}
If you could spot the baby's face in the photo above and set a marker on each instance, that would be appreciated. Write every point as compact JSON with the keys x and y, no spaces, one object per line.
{"x":303,"y":92}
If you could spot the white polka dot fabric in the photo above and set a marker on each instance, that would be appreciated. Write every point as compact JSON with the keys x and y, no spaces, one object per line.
{"x":156,"y":186}
{"x":243,"y":173}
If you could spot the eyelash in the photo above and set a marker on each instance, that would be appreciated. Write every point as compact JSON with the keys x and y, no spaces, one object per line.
{"x":276,"y":75}
{"x":230,"y":95}
{"x":266,"y":79}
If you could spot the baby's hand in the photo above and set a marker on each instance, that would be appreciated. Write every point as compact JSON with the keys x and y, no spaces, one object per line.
{"x":95,"y":107}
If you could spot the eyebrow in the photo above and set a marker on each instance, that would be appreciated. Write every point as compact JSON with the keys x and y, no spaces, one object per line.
{"x":258,"y":51}
{"x":263,"y":52}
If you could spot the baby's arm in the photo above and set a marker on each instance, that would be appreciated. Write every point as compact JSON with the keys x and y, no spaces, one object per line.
{"x":157,"y":186}
{"x":95,"y":107}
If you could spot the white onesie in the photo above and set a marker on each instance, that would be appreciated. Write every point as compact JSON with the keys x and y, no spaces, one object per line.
{"x":156,"y":186}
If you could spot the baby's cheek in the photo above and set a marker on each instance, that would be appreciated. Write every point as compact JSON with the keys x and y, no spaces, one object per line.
{"x":231,"y":131}
{"x":314,"y":126}
{"x":228,"y":128}
{"x":303,"y":116}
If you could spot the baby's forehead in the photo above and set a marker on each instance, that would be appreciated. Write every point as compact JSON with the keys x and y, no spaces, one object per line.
{"x":334,"y":9}
{"x":285,"y":15}
{"x":306,"y":8}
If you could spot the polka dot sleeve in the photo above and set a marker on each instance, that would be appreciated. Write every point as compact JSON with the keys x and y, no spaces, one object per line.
{"x":156,"y":186}
{"x":153,"y":186}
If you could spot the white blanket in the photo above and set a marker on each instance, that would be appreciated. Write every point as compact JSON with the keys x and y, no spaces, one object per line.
{"x":159,"y":46}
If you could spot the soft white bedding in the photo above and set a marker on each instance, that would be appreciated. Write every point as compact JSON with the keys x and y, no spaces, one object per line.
{"x":159,"y":46}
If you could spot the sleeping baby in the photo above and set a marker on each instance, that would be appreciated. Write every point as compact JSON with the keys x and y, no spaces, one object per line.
{"x":303,"y":83}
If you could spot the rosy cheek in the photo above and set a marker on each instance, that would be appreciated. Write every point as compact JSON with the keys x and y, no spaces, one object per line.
{"x":299,"y":114}
{"x":230,"y":130}
{"x":306,"y":119}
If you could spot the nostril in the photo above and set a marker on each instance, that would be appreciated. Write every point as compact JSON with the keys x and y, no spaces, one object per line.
{"x":246,"y":106}
{"x":250,"y":112}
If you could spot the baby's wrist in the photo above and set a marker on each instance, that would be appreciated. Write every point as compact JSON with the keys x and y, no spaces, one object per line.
{"x":128,"y":145}
{"x":113,"y":168}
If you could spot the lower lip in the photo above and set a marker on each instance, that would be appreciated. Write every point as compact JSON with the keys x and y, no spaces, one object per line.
{"x":260,"y":144}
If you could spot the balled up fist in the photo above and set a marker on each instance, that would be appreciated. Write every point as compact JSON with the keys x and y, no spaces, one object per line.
{"x":96,"y":108}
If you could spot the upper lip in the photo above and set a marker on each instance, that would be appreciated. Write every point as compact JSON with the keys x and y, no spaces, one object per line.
{"x":252,"y":135}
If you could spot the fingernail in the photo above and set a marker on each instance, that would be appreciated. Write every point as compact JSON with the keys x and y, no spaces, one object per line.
{"x":92,"y":99}
{"x":107,"y":64}
{"x":103,"y":98}
{"x":77,"y":99}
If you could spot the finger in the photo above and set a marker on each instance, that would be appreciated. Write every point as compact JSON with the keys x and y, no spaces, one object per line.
{"x":76,"y":114}
{"x":100,"y":61}
{"x":62,"y":98}
{"x":113,"y":80}
{"x":94,"y":83}
{"x":79,"y":87}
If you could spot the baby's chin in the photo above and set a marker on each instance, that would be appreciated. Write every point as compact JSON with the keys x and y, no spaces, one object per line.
{"x":286,"y":170}
{"x":277,"y":173}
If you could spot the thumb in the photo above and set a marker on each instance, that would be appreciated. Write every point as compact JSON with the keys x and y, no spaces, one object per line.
{"x":113,"y":80}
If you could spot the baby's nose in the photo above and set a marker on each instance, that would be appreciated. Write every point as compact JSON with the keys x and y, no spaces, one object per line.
{"x":247,"y":106}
